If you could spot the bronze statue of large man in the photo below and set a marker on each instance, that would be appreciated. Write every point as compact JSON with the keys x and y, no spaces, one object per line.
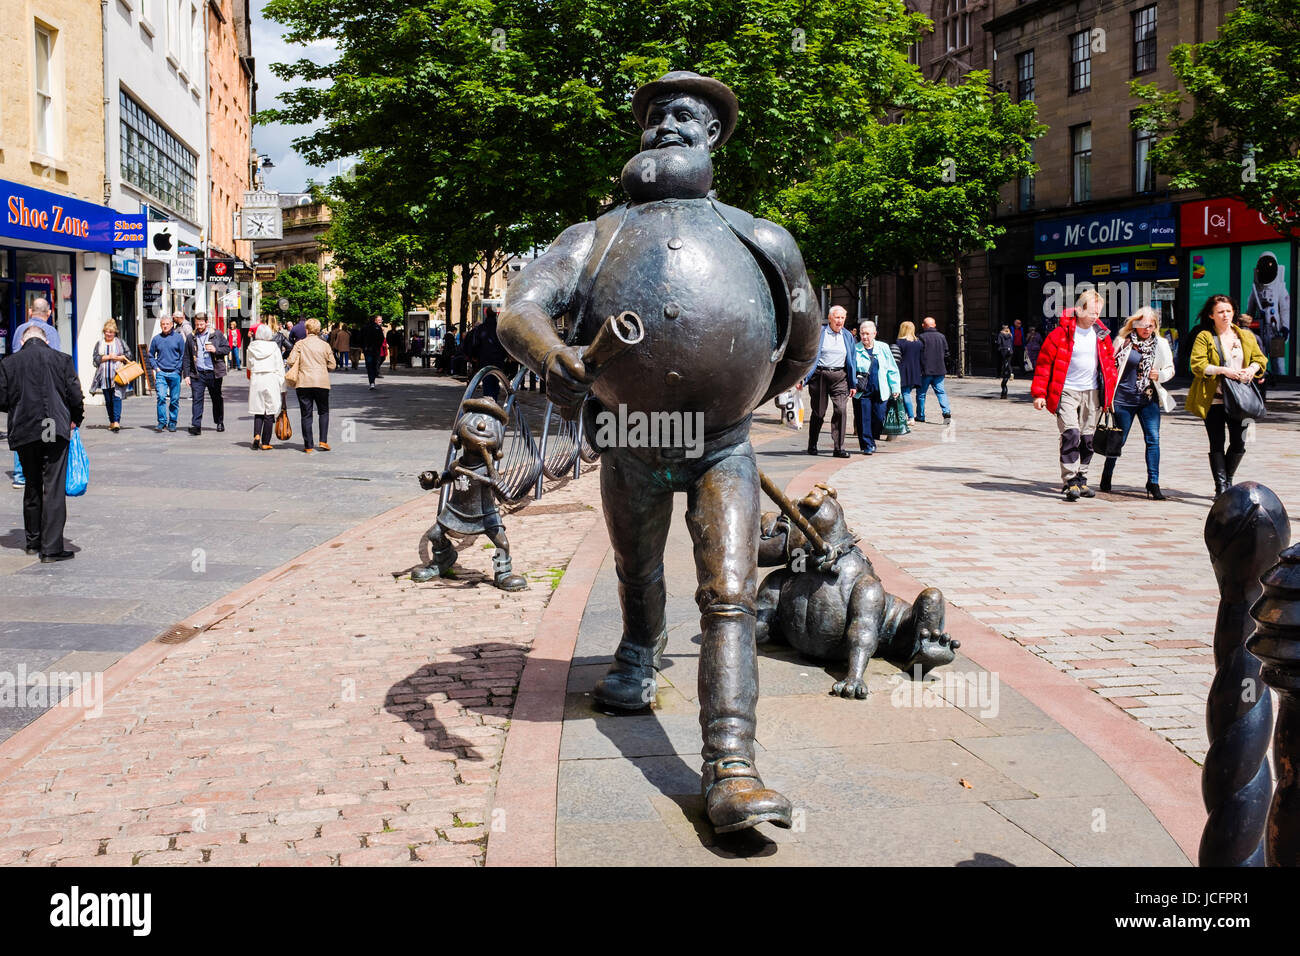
{"x":730,"y":322}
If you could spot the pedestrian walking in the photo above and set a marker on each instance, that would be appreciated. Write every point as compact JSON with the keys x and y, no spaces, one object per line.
{"x":40,"y":391}
{"x":1143,"y":363}
{"x":203,"y":369}
{"x":234,"y":339}
{"x":1075,"y":379}
{"x":1221,"y":350}
{"x":108,"y":357}
{"x":395,"y":340}
{"x":909,"y":367}
{"x":166,"y":356}
{"x":1004,"y":341}
{"x":345,"y":347}
{"x":310,"y":364}
{"x":934,"y":368}
{"x":878,"y":382}
{"x":1033,"y":345}
{"x":371,"y":340}
{"x":38,"y":313}
{"x":833,"y":378}
{"x":1017,"y":345}
{"x":265,"y":385}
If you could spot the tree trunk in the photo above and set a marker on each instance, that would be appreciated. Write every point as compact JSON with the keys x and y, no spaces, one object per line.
{"x":451,"y":285}
{"x":961,"y":319}
{"x":464,"y":296}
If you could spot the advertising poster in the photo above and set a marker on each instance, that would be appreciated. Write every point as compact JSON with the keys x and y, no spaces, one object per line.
{"x":1211,"y":275}
{"x":1266,"y":297}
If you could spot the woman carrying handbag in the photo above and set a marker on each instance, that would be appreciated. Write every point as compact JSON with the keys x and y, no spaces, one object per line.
{"x":1225,"y":362}
{"x":265,"y":384}
{"x":1143,"y":362}
{"x":109,"y":357}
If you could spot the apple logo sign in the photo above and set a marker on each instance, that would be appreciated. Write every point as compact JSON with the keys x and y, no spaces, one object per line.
{"x":162,"y":240}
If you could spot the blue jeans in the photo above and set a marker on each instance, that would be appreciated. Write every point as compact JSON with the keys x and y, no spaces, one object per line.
{"x":113,"y":405}
{"x":1148,"y":416}
{"x":869,"y":417}
{"x":928,"y":382}
{"x":18,"y":471}
{"x":907,"y":399}
{"x":168,"y":386}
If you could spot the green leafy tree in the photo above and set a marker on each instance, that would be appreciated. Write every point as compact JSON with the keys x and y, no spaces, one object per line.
{"x":924,"y":188}
{"x":1243,"y":132}
{"x":489,"y":125}
{"x":356,"y":300}
{"x":301,"y":285}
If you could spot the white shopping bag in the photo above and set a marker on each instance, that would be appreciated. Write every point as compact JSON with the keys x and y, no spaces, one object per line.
{"x":793,"y":410}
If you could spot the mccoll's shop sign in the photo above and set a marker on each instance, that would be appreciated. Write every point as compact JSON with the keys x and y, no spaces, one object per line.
{"x":35,"y":215}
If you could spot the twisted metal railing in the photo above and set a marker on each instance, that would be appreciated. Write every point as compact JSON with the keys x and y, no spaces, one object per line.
{"x":1244,"y":532}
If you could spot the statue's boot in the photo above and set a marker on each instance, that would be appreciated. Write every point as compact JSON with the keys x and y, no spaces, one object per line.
{"x":444,"y":557}
{"x":503,"y":575}
{"x":630,"y":683}
{"x":734,"y":795}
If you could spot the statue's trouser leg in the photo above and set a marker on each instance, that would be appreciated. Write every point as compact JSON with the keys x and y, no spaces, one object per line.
{"x":638,"y":511}
{"x":723,"y":517}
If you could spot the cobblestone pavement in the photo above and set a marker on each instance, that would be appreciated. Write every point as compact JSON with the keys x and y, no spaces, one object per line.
{"x":1117,"y":590}
{"x":172,"y":522}
{"x":345,"y":716}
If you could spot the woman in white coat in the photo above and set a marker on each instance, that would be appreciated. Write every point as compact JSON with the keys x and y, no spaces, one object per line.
{"x":1144,"y":363}
{"x":265,"y":384}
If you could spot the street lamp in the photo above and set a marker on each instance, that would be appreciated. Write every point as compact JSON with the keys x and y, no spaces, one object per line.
{"x":327,"y":269}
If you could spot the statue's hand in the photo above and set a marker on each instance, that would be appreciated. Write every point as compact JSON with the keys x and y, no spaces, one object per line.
{"x":567,"y":380}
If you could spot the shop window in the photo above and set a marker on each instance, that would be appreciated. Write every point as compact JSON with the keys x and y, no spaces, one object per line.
{"x":1080,"y":61}
{"x":1081,"y":162}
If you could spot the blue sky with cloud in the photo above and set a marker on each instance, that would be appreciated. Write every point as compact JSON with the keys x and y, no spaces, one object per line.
{"x":291,"y":172}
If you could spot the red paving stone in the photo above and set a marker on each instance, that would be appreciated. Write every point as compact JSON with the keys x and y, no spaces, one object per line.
{"x":344,"y":716}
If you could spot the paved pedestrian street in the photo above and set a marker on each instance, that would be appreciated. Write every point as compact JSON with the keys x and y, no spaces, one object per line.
{"x":321,"y":708}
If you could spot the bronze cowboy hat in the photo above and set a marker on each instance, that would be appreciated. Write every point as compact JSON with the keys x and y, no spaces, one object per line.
{"x":717,"y":93}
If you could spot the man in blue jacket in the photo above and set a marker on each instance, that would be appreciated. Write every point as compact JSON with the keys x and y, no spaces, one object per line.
{"x":166,"y":355}
{"x":834,"y":376}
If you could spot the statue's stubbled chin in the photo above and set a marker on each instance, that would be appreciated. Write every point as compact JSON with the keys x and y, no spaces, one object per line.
{"x":672,"y":173}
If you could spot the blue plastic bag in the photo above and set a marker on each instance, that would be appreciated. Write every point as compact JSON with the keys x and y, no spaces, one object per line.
{"x":78,"y":467}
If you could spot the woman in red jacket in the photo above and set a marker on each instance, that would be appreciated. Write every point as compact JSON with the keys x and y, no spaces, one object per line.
{"x":1076,"y":379}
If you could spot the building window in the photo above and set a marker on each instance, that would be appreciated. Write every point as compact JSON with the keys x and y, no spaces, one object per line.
{"x":1144,"y":174}
{"x":1080,"y":61}
{"x":156,"y":162}
{"x":1081,"y":162}
{"x":914,"y":53}
{"x":956,"y":24}
{"x":1144,"y":39}
{"x":1026,"y":187}
{"x":45,"y":106}
{"x":1025,"y":76}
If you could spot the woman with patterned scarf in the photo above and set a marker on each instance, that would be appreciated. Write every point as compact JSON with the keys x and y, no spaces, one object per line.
{"x":1143,"y":361}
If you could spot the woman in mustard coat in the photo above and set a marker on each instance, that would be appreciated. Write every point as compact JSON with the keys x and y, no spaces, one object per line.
{"x":1244,"y":361}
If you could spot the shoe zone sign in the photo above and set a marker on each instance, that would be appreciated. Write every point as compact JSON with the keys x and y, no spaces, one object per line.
{"x":1124,"y":230}
{"x":35,"y":215}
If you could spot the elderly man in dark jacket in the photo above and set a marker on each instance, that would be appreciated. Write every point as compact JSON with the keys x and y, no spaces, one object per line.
{"x":40,"y":391}
{"x":203,"y":366}
{"x":934,"y":366}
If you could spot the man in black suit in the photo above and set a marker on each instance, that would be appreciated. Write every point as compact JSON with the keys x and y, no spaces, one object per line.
{"x":203,"y":366}
{"x":40,"y":391}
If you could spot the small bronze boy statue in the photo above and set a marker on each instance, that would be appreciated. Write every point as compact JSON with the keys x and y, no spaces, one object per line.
{"x":472,"y":506}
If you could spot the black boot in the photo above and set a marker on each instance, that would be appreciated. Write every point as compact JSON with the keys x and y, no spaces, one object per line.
{"x":1232,"y":459}
{"x":443,"y":557}
{"x":1106,"y":472}
{"x":1219,"y":469}
{"x":630,"y":683}
{"x":503,"y":575}
{"x":734,"y":795}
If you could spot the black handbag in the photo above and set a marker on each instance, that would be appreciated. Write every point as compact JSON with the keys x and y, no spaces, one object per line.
{"x":1241,"y":400}
{"x":1108,"y":439}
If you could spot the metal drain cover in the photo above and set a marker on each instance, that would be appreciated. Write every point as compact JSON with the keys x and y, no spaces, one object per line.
{"x":178,"y":634}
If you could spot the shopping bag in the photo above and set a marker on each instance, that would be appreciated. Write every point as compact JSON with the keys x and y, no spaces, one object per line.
{"x":1108,"y":439}
{"x":896,"y":418}
{"x":283,"y":429}
{"x":78,"y":475}
{"x":793,"y":413}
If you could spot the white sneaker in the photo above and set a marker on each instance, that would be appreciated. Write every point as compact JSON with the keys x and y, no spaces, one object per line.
{"x":372,"y":386}
{"x":20,"y":484}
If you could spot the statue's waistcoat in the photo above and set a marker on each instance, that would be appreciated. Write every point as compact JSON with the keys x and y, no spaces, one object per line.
{"x":712,"y":328}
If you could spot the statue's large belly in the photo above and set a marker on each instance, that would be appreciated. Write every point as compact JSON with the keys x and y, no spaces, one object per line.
{"x":710,"y":325}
